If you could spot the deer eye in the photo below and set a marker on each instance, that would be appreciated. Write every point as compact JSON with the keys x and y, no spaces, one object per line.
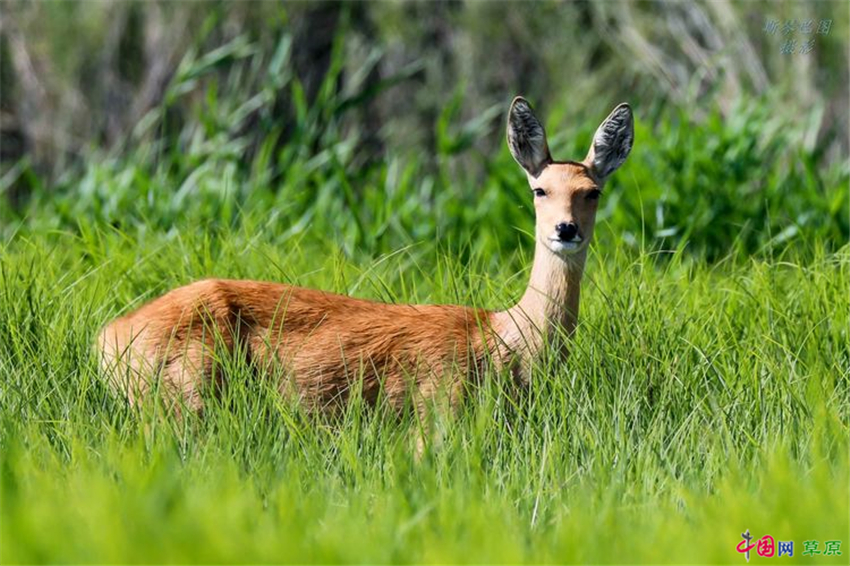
{"x":539,"y":192}
{"x":594,"y":194}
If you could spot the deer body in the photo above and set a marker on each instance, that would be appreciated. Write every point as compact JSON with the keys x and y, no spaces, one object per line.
{"x":320,"y":346}
{"x":317,"y":343}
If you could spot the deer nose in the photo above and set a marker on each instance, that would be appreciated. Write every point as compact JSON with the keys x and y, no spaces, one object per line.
{"x":566,"y":231}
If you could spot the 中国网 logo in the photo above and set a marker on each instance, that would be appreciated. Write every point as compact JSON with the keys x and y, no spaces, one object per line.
{"x":767,"y":547}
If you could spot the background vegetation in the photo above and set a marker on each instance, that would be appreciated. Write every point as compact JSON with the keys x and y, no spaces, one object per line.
{"x":359,"y":148}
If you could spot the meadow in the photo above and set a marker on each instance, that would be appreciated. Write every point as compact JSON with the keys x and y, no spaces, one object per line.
{"x":697,"y":402}
{"x":707,"y":390}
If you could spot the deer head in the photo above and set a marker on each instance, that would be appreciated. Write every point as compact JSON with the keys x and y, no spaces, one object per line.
{"x":566,"y":193}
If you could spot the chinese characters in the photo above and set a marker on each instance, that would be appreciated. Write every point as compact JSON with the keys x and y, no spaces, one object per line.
{"x":790,"y":44}
{"x":767,"y":547}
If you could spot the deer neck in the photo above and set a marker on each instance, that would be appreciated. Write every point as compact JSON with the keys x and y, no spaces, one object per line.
{"x":549,"y":305}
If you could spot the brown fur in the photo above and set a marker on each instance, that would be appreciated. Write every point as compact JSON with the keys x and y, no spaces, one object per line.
{"x":319,"y":346}
{"x":320,"y":343}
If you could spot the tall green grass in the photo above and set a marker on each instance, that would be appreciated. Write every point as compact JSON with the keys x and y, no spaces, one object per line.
{"x":219,"y":144}
{"x":707,"y":391}
{"x":698,"y":401}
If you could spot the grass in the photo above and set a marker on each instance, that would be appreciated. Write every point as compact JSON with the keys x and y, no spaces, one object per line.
{"x":707,"y":392}
{"x":699,"y":400}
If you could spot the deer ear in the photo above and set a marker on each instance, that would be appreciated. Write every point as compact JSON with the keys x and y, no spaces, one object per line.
{"x":526,"y":138}
{"x":612,"y":142}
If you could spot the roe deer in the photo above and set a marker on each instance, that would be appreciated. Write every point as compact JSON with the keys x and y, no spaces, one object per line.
{"x":322,"y":344}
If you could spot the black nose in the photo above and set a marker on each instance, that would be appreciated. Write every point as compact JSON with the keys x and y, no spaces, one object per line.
{"x":566,"y":231}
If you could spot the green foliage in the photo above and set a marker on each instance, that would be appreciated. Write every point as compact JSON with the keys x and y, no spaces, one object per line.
{"x":697,"y":402}
{"x":741,"y":185}
{"x":707,"y":392}
{"x":715,"y":187}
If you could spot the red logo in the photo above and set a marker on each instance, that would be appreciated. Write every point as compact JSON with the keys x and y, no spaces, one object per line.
{"x":765,"y":546}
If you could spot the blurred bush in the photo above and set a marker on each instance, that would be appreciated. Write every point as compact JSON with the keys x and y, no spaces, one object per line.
{"x":382,"y":123}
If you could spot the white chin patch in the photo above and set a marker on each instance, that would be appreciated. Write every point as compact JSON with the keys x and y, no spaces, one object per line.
{"x":563,"y":248}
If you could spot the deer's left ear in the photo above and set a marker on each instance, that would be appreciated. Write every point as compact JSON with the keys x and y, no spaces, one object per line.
{"x":612,"y":142}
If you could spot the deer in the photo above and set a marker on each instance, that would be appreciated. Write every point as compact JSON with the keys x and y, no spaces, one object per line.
{"x":321,"y":346}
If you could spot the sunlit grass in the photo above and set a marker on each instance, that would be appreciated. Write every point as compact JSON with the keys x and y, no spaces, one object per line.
{"x":699,"y":401}
{"x":707,"y":391}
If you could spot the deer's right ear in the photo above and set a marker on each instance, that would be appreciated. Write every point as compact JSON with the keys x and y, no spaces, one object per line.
{"x":526,"y":138}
